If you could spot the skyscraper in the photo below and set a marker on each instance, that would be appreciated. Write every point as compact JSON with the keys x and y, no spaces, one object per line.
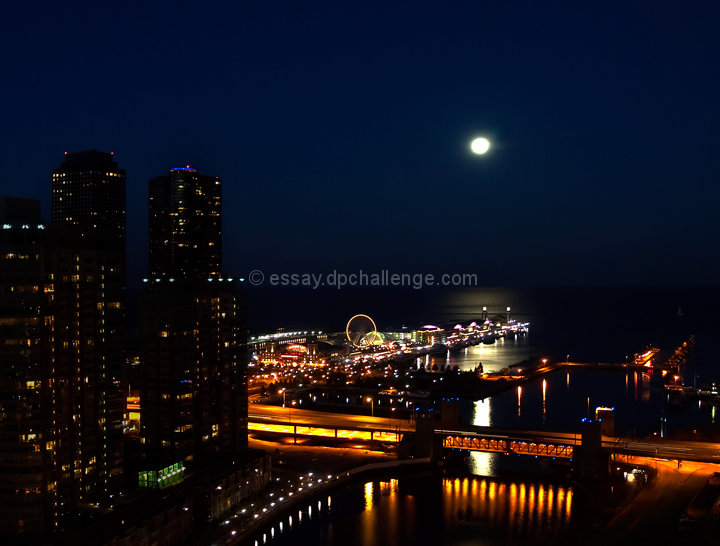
{"x":88,"y":191}
{"x":87,"y":389}
{"x":185,"y":225}
{"x":194,"y":387}
{"x":30,"y":470}
{"x":88,"y":195}
{"x":56,"y":429}
{"x":194,"y":370}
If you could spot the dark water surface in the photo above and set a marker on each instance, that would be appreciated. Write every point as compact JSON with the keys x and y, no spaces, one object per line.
{"x":590,"y":324}
{"x":491,"y":503}
{"x":431,"y":510}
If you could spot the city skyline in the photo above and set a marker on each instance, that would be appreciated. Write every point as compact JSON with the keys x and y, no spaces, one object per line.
{"x":330,"y":125}
{"x":249,"y":250}
{"x":84,"y":418}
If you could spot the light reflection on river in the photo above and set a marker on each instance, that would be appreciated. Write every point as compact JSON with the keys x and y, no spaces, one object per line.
{"x":415,"y":510}
{"x":560,"y":400}
{"x":494,"y":357}
{"x":591,"y":325}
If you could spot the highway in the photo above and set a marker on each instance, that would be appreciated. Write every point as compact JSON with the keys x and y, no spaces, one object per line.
{"x":708,"y":452}
{"x":261,"y":417}
{"x":261,"y":413}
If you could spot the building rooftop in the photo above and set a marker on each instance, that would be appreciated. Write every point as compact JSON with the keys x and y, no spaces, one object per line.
{"x":88,"y":159}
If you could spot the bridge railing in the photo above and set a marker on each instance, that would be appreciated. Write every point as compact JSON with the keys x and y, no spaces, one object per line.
{"x":476,"y":444}
{"x":498,"y":445}
{"x":542,"y":450}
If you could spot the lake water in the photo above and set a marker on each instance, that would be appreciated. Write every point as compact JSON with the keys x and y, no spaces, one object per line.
{"x":589,"y":324}
{"x":431,"y":510}
{"x":492,"y":503}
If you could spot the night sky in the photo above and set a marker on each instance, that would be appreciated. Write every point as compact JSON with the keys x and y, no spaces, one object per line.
{"x":341,"y":130}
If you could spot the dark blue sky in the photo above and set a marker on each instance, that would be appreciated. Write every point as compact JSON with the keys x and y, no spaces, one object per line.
{"x":341,"y":129}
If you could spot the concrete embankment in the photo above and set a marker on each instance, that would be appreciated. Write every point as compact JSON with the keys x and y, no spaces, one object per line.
{"x":358,"y":473}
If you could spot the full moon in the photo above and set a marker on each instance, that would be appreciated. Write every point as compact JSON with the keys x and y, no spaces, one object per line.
{"x":480,"y":145}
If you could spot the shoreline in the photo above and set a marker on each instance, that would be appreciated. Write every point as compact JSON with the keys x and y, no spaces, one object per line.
{"x":343,"y":478}
{"x":349,"y":467}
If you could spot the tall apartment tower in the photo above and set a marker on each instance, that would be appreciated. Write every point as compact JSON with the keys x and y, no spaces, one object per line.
{"x":30,"y":469}
{"x":194,"y":388}
{"x":194,"y":370}
{"x":56,"y":449}
{"x":185,"y":225}
{"x":88,"y":191}
{"x":88,"y":203}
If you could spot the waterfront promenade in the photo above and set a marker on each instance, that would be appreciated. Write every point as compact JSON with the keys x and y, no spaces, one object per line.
{"x":305,"y":472}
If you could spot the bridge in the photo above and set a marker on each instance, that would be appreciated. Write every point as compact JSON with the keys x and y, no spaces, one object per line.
{"x":296,"y":422}
{"x":559,"y":445}
{"x":507,"y":445}
{"x":562,"y":444}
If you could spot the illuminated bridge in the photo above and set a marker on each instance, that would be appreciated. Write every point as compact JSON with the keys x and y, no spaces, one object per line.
{"x":560,"y":445}
{"x":519,"y":442}
{"x":506,"y":445}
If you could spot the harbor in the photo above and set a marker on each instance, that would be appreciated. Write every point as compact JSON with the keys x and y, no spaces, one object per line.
{"x":532,"y":380}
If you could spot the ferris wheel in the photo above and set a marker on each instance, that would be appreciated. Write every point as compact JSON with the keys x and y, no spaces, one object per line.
{"x":361,"y":331}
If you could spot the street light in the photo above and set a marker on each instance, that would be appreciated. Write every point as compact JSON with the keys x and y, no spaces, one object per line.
{"x":372,"y":405}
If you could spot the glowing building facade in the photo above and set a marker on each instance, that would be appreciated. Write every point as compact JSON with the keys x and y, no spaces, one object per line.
{"x":185,"y":231}
{"x":193,"y":393}
{"x":57,"y":448}
{"x":88,"y":191}
{"x":88,"y":195}
{"x":29,"y":466}
{"x":194,"y":383}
